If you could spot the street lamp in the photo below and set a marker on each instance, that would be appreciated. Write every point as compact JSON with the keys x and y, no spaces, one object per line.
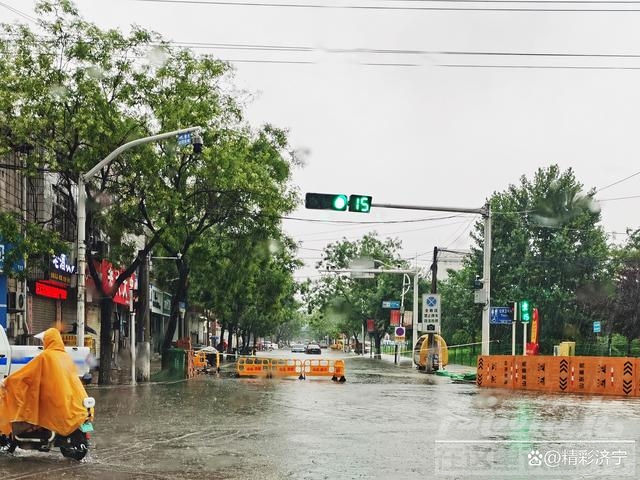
{"x":82,"y":217}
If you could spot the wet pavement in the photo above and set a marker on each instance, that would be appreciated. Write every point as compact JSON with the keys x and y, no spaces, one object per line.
{"x":386,"y":421}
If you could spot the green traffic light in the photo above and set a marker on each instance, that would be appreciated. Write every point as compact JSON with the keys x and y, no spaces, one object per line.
{"x":340,"y":202}
{"x":525,"y":311}
{"x":326,"y":201}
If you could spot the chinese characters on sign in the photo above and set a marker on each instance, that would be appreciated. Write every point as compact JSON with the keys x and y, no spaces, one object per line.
{"x":431,"y":312}
{"x":109,"y":276}
{"x":60,"y":270}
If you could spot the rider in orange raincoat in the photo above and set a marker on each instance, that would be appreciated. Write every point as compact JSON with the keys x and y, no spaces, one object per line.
{"x":45,"y":392}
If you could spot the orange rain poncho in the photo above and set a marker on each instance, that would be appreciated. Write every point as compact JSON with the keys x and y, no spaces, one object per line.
{"x":45,"y":392}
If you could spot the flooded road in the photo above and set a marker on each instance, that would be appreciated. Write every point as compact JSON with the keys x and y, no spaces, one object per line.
{"x":386,"y":421}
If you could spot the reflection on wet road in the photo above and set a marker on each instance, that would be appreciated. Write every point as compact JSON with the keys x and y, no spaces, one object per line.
{"x":384,"y":422}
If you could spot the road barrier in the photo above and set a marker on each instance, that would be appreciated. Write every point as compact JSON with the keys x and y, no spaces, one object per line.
{"x":562,"y":374}
{"x":253,"y":366}
{"x":71,"y":340}
{"x":288,"y":367}
{"x":325,"y":368}
{"x":203,"y":360}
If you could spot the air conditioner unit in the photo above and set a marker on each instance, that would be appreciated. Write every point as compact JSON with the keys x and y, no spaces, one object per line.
{"x":15,"y":302}
{"x":21,"y":301}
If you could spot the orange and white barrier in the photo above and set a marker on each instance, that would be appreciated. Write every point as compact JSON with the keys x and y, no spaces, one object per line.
{"x":561,"y":374}
{"x":286,"y":367}
{"x":325,"y":368}
{"x":253,"y":366}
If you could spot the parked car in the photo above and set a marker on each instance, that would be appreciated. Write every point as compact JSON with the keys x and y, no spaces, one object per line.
{"x":297,"y":347}
{"x":313,"y":348}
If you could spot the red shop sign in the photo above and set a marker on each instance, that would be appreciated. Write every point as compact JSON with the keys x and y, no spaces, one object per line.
{"x":109,"y":276}
{"x":50,"y":291}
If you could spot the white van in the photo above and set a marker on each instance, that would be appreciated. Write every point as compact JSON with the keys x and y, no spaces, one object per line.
{"x":14,"y":357}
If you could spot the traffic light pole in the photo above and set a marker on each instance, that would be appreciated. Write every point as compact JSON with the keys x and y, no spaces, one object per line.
{"x":486,"y":263}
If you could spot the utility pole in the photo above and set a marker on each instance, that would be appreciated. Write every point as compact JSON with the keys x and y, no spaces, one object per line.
{"x":434,"y":271}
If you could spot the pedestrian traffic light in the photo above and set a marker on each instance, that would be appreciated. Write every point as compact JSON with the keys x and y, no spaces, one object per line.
{"x":359,"y":203}
{"x":525,"y":311}
{"x":326,"y":201}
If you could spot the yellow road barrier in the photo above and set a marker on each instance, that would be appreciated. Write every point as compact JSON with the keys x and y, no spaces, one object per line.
{"x":253,"y":366}
{"x":289,"y":367}
{"x":325,"y":368}
{"x":286,"y":367}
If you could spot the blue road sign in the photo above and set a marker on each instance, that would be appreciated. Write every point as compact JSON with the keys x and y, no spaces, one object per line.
{"x":395,"y":304}
{"x":597,"y":327}
{"x":184,"y":139}
{"x":501,"y":316}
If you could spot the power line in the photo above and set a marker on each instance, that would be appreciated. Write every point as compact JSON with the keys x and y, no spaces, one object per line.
{"x":19,"y":12}
{"x":405,"y":8}
{"x":559,"y":67}
{"x":392,"y":51}
{"x":618,"y":198}
{"x":413,"y":52}
{"x":617,"y":182}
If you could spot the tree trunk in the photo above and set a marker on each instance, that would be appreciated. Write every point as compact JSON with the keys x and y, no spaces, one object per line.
{"x":220,"y":344}
{"x":230,"y":341}
{"x":378,"y":339}
{"x":180,"y":296}
{"x":106,"y":347}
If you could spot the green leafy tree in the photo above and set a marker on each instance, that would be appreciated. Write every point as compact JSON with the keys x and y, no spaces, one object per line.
{"x":248,"y":283}
{"x":348,"y":302}
{"x":28,"y":240}
{"x":74,"y":93}
{"x":625,"y":312}
{"x":547,"y":246}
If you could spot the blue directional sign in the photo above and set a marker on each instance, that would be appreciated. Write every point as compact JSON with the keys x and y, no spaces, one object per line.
{"x":501,"y":316}
{"x":184,"y":139}
{"x":597,"y":327}
{"x":395,"y":304}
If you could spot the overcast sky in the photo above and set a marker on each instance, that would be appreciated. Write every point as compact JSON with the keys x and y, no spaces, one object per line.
{"x":394,"y":100}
